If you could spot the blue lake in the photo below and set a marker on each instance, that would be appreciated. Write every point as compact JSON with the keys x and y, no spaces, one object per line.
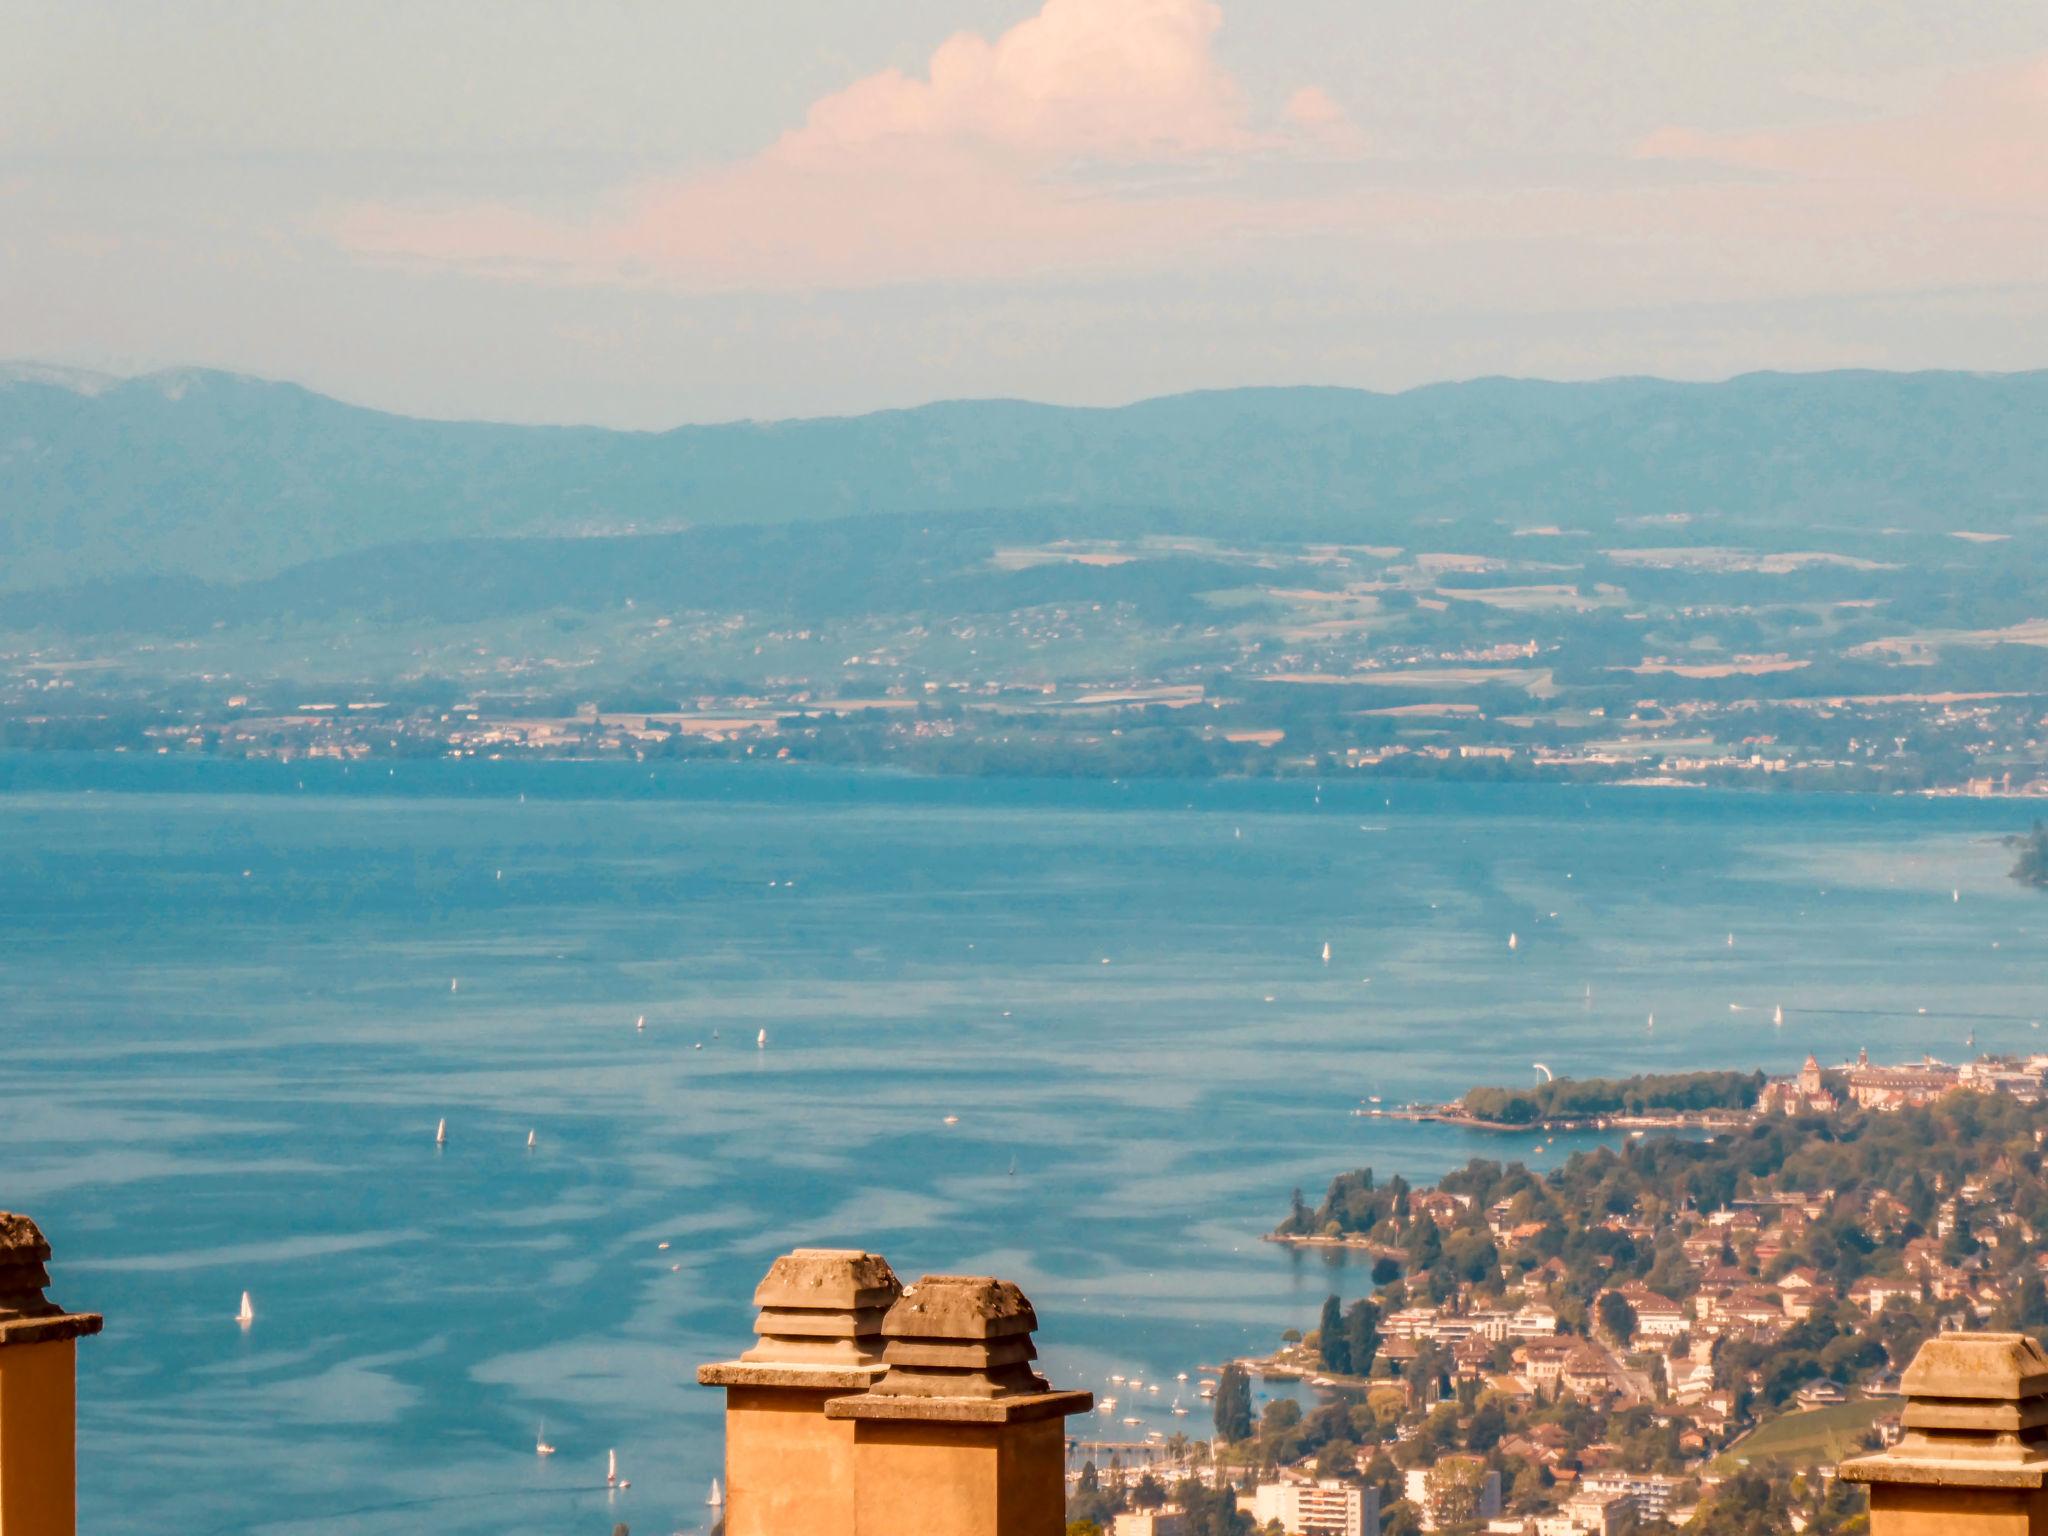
{"x":227,"y":1032}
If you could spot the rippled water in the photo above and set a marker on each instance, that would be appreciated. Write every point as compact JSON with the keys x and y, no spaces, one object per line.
{"x":227,"y":1032}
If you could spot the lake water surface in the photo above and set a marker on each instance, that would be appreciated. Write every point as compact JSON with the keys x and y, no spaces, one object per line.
{"x":227,"y":1031}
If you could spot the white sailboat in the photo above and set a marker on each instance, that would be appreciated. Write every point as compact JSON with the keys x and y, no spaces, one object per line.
{"x":248,"y":1313}
{"x":761,"y":1040}
{"x":454,"y":983}
{"x":641,"y":1022}
{"x":611,"y":1471}
{"x":441,"y":1133}
{"x":529,"y":1141}
{"x":540,"y":1441}
{"x":716,"y":1498}
{"x":1514,"y":942}
{"x":1326,"y":951}
{"x":1778,"y":1016}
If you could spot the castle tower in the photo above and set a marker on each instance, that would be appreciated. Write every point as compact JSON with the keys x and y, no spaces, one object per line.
{"x":38,"y":1389}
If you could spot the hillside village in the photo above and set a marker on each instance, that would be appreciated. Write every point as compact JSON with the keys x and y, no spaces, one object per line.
{"x":1656,"y":1335}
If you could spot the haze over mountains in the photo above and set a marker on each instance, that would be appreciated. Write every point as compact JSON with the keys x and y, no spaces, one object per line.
{"x":227,"y":479}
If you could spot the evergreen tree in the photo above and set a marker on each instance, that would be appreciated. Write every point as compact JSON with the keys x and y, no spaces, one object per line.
{"x":1362,"y":1336}
{"x":1425,"y":1245}
{"x":1336,"y":1347}
{"x":1234,"y":1404}
{"x":1618,"y":1317}
{"x":1298,"y":1219}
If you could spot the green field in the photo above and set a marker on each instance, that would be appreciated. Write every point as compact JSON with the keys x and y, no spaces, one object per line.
{"x":1814,"y":1438}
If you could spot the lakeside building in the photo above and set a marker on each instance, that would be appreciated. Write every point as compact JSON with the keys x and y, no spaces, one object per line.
{"x":1322,"y":1508}
{"x":1806,"y":1094}
{"x":1905,"y":1085}
{"x":1654,"y":1494}
{"x":1167,"y":1520}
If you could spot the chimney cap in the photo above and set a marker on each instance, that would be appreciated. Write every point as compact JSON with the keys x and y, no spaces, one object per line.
{"x":21,"y":1240}
{"x":960,"y":1307}
{"x":27,"y":1316}
{"x":822,"y":1279}
{"x":1996,"y":1367}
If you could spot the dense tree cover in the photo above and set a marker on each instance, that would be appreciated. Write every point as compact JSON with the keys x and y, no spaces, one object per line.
{"x":1092,"y":1508}
{"x":1576,"y":1099}
{"x":2032,"y":866}
{"x":1751,"y":1502}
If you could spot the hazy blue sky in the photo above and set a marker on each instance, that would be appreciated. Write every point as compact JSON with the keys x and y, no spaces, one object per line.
{"x":641,"y":213}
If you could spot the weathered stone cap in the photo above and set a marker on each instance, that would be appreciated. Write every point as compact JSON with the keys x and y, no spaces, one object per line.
{"x":960,"y":1307}
{"x":2001,"y":1367}
{"x":820,"y":1323}
{"x":27,"y":1316}
{"x":1976,"y":1416}
{"x":834,"y":1279}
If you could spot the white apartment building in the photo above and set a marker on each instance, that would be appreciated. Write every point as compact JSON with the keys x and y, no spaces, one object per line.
{"x":1315,"y":1509}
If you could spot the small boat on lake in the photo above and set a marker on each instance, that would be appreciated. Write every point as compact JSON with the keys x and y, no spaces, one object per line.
{"x":248,"y":1313}
{"x":441,"y":1133}
{"x":540,"y":1441}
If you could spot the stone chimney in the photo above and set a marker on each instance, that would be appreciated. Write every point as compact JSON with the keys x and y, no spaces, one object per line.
{"x":871,"y":1410}
{"x":788,"y":1468}
{"x":1974,"y":1455}
{"x":38,"y":1389}
{"x":961,"y":1437}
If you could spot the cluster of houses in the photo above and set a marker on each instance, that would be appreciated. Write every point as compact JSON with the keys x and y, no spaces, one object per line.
{"x":1727,"y":1296}
{"x":1602,"y":1504}
{"x":1737,"y":1289}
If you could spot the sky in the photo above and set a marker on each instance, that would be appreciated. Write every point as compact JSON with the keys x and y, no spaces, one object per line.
{"x":645,"y":212}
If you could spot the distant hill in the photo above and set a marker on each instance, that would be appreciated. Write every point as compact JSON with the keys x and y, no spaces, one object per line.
{"x":225,"y":478}
{"x":810,"y":572}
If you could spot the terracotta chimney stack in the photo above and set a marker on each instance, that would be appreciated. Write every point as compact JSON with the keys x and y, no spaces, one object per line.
{"x":961,"y":1437}
{"x":38,"y":1389}
{"x":1974,"y":1455}
{"x":787,"y":1467}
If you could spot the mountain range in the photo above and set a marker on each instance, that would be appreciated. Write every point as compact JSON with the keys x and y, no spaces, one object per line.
{"x":218,"y":478}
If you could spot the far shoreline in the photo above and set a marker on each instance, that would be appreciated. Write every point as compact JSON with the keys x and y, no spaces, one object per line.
{"x":595,"y":779}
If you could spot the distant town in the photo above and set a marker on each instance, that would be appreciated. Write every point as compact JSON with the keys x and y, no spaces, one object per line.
{"x":1137,"y":657}
{"x":1677,"y":1332}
